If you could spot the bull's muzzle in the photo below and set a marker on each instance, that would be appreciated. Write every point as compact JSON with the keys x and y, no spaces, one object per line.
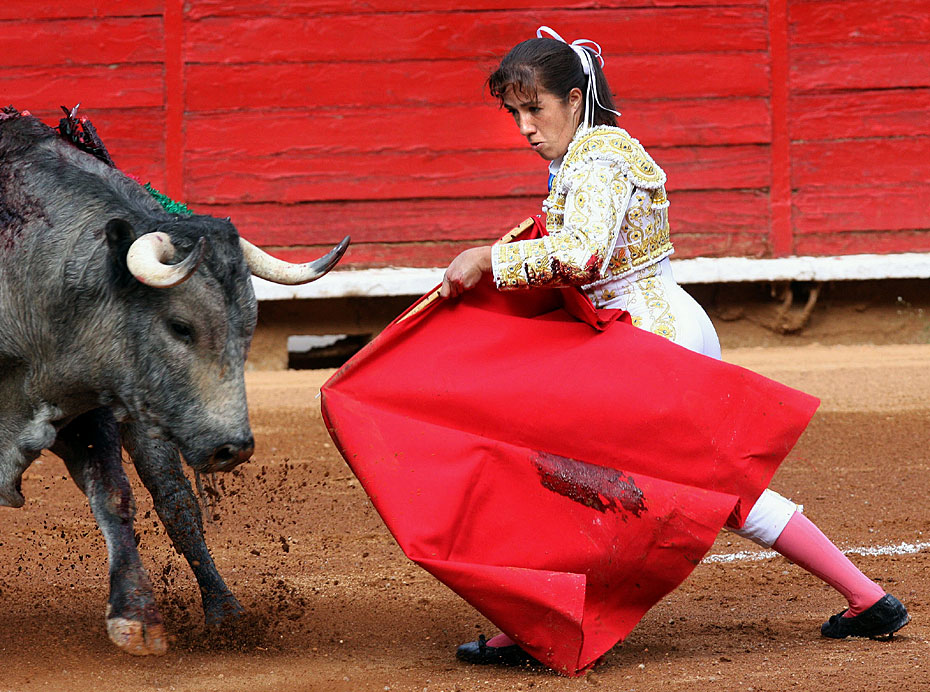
{"x":230,"y":455}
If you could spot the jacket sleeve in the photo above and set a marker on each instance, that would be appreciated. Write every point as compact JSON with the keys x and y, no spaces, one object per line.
{"x":598,"y":195}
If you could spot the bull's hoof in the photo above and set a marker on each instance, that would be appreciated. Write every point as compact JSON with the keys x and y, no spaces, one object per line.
{"x":239,"y":633}
{"x":222,"y":610}
{"x":138,"y":638}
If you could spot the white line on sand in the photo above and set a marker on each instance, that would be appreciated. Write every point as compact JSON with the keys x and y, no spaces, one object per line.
{"x":751,"y":556}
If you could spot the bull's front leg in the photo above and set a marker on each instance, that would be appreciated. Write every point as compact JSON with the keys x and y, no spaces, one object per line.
{"x":90,"y":448}
{"x":159,"y":467}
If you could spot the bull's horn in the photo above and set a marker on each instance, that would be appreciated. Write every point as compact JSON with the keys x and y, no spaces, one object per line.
{"x":148,"y":256}
{"x":280,"y":272}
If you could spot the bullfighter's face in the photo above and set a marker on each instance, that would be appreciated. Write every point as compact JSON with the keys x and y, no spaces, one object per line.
{"x":547,"y":121}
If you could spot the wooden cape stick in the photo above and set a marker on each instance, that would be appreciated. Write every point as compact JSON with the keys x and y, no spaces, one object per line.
{"x":434,"y":294}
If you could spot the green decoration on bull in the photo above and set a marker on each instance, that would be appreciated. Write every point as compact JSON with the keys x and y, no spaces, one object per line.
{"x":167,"y":203}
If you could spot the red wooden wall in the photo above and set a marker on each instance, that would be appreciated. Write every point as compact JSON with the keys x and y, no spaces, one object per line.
{"x":786,"y":126}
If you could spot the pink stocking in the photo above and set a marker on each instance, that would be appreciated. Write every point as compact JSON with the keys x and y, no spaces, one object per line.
{"x":806,"y":546}
{"x":500,"y":640}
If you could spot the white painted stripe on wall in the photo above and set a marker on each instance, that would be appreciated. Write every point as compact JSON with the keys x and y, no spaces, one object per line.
{"x":409,"y":281}
{"x":369,"y":283}
{"x":912,"y":265}
{"x":753,"y":556}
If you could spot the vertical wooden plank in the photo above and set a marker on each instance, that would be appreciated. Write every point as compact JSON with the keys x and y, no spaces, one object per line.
{"x":174,"y":98}
{"x":780,"y":190}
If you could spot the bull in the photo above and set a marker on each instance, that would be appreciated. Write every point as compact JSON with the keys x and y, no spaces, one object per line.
{"x":123,"y":325}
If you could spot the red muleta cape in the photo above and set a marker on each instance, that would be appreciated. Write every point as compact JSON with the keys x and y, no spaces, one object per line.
{"x":561,"y":479}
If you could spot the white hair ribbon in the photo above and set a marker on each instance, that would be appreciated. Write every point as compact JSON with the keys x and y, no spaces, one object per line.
{"x":585,"y":53}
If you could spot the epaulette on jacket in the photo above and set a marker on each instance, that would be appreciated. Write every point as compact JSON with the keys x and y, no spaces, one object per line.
{"x":605,"y":143}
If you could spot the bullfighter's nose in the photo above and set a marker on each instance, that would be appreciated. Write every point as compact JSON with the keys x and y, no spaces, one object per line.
{"x":231,"y":455}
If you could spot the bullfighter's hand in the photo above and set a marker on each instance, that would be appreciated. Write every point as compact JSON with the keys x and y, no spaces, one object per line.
{"x":466,"y":271}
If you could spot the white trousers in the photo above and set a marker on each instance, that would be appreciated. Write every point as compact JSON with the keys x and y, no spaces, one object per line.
{"x":767,"y":518}
{"x":658,"y":304}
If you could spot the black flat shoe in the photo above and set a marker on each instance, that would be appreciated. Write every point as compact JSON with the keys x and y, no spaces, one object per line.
{"x":480,"y":653}
{"x":880,"y":621}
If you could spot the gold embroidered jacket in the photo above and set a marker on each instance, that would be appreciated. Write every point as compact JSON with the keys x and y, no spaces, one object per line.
{"x":606,"y":215}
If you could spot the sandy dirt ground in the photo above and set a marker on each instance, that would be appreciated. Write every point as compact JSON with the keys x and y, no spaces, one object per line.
{"x":335,"y":606}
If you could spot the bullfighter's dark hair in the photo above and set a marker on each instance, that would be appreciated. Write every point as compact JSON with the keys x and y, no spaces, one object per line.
{"x":551,"y":65}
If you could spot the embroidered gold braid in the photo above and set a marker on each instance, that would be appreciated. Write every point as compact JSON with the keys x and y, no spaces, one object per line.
{"x":658,"y":317}
{"x":606,"y":216}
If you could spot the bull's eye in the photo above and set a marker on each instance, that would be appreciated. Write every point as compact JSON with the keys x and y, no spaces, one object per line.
{"x":181,"y":331}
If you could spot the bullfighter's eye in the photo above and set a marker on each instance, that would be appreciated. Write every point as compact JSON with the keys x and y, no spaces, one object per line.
{"x":181,"y":331}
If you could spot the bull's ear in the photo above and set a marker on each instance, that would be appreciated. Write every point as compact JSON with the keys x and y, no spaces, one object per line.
{"x":120,"y":235}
